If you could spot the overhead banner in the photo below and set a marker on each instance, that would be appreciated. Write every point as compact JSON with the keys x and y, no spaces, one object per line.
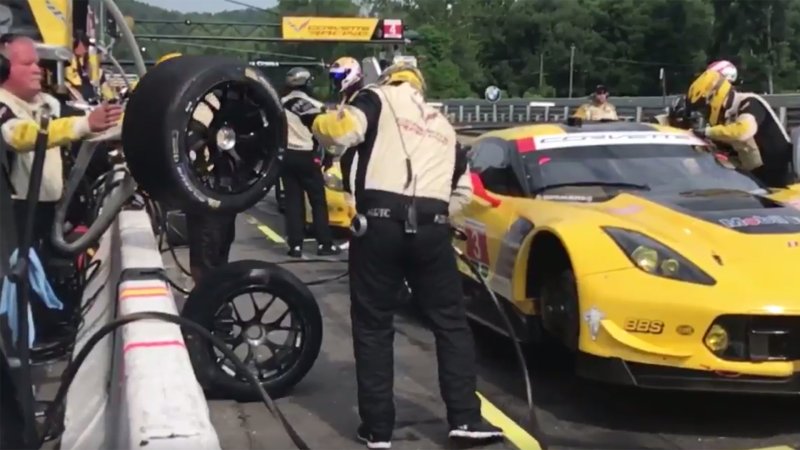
{"x":353,"y":29}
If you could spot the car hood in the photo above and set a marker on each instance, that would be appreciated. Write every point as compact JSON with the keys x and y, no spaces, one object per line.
{"x":733,"y":225}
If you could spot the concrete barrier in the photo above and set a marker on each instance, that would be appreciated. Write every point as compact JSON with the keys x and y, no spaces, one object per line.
{"x":140,"y":390}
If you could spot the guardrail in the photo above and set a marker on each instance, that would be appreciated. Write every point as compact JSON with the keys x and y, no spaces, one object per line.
{"x":638,"y":109}
{"x":138,"y":389}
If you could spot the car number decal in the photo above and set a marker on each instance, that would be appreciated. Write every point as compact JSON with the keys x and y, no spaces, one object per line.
{"x":477,"y":246}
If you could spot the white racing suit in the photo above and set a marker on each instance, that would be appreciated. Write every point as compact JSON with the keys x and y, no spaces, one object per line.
{"x":407,"y":165}
{"x":301,"y":173}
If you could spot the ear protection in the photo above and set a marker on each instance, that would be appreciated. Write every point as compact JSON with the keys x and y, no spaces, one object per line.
{"x":5,"y":64}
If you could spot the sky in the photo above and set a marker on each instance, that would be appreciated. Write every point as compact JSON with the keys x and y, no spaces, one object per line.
{"x":209,"y":6}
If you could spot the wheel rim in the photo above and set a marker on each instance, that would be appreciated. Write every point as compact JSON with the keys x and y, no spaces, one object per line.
{"x":227,"y":138}
{"x":268,"y":338}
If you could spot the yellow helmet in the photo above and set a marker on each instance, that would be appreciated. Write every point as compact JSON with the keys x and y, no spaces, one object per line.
{"x":711,"y":89}
{"x":168,"y":56}
{"x":403,"y":72}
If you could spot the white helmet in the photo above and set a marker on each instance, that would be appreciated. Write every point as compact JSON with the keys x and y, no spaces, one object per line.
{"x":726,"y":68}
{"x":345,"y":72}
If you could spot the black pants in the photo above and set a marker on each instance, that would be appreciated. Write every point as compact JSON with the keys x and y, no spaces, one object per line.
{"x":210,"y":238}
{"x":302,"y":174}
{"x":42,"y":222}
{"x":774,"y":175}
{"x":379,"y":262}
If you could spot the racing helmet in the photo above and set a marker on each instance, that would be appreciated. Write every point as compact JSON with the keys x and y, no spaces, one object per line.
{"x":298,"y":77}
{"x":710,"y":91}
{"x":168,"y":56}
{"x":726,"y":68}
{"x":345,"y":73}
{"x":403,"y":72}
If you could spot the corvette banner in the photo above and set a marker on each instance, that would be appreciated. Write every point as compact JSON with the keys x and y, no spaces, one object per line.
{"x":355,"y":29}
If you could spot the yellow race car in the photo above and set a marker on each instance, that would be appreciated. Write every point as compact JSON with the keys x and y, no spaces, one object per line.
{"x":640,"y":249}
{"x":340,"y":207}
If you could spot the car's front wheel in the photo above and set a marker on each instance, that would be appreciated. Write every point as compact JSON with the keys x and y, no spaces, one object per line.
{"x":560,"y":311}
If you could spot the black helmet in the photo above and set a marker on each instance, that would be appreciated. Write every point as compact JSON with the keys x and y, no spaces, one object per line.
{"x":298,"y":77}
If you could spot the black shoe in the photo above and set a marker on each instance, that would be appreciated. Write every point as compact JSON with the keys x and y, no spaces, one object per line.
{"x":479,"y":431}
{"x":295,"y":252}
{"x":328,"y":250}
{"x":372,"y":440}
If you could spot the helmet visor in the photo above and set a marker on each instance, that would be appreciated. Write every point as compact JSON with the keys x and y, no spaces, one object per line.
{"x":338,"y":75}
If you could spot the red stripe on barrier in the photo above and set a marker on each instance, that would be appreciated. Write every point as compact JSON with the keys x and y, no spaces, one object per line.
{"x":151,"y":344}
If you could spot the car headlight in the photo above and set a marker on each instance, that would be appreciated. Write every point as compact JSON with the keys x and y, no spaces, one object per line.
{"x":333,"y":182}
{"x":656,"y":258}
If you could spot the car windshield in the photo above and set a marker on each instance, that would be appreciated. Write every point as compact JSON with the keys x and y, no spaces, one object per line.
{"x":592,"y":171}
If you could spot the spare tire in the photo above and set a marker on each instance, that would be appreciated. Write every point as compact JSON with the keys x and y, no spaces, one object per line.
{"x":204,"y":133}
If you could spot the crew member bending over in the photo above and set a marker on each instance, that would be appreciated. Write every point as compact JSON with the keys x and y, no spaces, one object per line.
{"x":409,"y":178}
{"x":746,"y":122}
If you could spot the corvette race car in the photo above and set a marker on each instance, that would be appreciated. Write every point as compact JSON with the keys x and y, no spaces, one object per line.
{"x":340,"y":209}
{"x":641,"y":250}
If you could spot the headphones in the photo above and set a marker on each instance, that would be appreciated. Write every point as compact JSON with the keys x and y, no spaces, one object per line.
{"x":5,"y":64}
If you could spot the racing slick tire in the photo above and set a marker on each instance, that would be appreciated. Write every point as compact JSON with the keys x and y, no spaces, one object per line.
{"x":211,"y":303}
{"x":225,"y":162}
{"x":561,"y":309}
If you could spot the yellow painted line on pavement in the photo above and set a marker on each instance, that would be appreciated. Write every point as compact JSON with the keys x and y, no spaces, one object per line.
{"x":267,"y":231}
{"x":779,"y":447}
{"x":515,"y":434}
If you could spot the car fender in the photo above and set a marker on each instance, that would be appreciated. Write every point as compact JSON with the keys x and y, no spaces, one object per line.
{"x":588,"y":248}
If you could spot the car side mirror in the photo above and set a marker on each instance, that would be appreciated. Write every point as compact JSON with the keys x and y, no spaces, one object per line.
{"x":796,"y":152}
{"x":479,"y":190}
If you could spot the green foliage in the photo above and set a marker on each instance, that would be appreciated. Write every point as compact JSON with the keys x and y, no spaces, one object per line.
{"x":524,"y":46}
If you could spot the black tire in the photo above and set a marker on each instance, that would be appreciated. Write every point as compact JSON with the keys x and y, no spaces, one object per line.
{"x":155,"y":132}
{"x":223,"y":285}
{"x":560,"y":309}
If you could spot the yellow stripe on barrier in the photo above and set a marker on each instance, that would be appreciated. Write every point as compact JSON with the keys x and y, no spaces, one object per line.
{"x":515,"y":434}
{"x":265,"y":230}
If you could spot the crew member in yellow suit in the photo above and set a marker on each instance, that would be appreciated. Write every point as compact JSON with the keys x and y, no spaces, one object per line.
{"x":84,"y":75}
{"x":599,"y":109}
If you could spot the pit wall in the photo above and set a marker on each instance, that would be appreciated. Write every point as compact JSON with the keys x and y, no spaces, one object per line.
{"x":137,"y":388}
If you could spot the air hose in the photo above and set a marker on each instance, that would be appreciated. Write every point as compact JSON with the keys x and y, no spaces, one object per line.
{"x":123,"y":187}
{"x":512,"y":335}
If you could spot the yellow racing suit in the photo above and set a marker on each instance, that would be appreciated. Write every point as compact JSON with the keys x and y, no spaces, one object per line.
{"x":595,"y":112}
{"x":760,"y":141}
{"x":83,"y":80}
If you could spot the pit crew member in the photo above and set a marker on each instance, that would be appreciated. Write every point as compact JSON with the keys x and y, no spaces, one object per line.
{"x":84,"y":74}
{"x":21,"y":105}
{"x":599,"y":109}
{"x":408,"y":178}
{"x":301,"y":170}
{"x":745,"y":122}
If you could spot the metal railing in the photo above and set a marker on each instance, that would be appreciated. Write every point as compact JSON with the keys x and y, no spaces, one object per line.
{"x":635,"y":109}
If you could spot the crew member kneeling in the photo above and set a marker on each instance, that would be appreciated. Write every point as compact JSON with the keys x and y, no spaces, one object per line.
{"x":21,"y":105}
{"x":301,"y":170}
{"x":746,"y":122}
{"x":408,"y":177}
